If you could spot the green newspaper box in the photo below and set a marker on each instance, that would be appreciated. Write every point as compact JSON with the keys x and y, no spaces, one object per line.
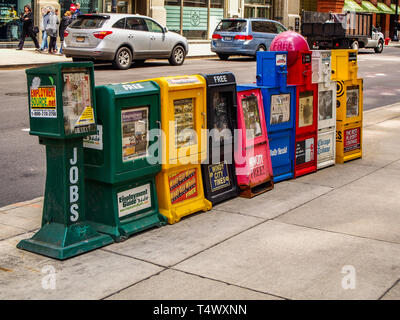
{"x":122,"y":159}
{"x":61,"y":112}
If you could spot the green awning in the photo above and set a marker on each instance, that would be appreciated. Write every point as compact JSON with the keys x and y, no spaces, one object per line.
{"x":384,"y":8}
{"x":394,"y":8}
{"x":351,"y":5}
{"x":369,"y":7}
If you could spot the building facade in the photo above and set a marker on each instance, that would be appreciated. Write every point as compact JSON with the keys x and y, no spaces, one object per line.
{"x":384,"y":11}
{"x":195,"y":19}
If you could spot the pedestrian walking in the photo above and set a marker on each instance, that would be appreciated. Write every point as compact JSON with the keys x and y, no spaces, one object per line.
{"x":43,"y":25}
{"x":65,"y":21}
{"x":27,"y":28}
{"x":52,"y":30}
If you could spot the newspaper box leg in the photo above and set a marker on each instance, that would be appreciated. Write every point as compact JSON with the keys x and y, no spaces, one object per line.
{"x":65,"y":232}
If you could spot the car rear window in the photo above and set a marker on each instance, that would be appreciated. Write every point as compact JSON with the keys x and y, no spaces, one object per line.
{"x":232,"y":25}
{"x":88,"y":22}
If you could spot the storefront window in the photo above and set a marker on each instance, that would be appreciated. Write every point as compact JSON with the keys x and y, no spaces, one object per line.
{"x":10,"y":25}
{"x":190,"y":17}
{"x":87,"y":6}
{"x":258,"y":9}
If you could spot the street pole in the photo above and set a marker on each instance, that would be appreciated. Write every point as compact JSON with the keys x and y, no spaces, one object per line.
{"x":396,"y":19}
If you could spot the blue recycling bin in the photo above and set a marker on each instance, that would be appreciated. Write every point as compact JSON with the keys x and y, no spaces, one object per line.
{"x":280,"y":110}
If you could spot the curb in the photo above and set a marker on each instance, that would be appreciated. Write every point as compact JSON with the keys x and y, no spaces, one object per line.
{"x":37,"y":64}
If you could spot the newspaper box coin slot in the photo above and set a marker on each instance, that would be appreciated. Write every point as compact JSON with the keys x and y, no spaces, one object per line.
{"x":279,"y":108}
{"x":252,"y":154}
{"x":120,"y":164}
{"x":326,"y":145}
{"x":349,"y":111}
{"x":184,"y":146}
{"x":62,"y":112}
{"x":218,"y":170}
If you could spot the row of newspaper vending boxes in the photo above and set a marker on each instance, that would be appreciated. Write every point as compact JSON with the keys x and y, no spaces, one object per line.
{"x":218,"y":140}
{"x":168,"y":147}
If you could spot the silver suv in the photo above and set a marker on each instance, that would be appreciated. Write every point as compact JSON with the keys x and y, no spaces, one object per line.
{"x":122,"y":39}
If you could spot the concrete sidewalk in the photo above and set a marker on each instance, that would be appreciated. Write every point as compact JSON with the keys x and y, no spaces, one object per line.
{"x":29,"y":57}
{"x":302,"y":240}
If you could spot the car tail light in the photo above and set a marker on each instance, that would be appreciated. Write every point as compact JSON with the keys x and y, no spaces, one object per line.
{"x":66,"y":33}
{"x":101,"y":34}
{"x":216,"y":36}
{"x":243,"y":37}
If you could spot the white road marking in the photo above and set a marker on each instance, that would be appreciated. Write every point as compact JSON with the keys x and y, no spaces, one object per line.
{"x":26,"y":129}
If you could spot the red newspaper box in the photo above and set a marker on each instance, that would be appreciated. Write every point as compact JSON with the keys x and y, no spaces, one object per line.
{"x":252,"y":154}
{"x":300,"y":74}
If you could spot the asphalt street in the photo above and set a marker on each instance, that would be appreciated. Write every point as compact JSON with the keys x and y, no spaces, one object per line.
{"x":22,"y":159}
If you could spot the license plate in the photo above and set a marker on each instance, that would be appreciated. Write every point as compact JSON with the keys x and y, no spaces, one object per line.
{"x":227,"y":38}
{"x":80,"y":39}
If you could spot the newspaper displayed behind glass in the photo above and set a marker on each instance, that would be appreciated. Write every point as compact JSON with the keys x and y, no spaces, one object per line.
{"x":135,"y":126}
{"x":184,"y":122}
{"x":352,"y":101}
{"x":77,"y":101}
{"x":325,"y":105}
{"x":280,"y":108}
{"x":306,"y":101}
{"x":251,"y":117}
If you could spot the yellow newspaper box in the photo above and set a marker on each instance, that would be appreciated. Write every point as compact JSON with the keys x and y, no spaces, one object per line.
{"x":349,"y":111}
{"x":184,"y":137}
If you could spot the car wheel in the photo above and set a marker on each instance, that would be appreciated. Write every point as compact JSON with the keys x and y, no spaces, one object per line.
{"x":123,"y":59}
{"x":223,"y":56}
{"x":355,"y":45}
{"x":177,"y":56}
{"x":78,"y":59}
{"x":379,"y":48}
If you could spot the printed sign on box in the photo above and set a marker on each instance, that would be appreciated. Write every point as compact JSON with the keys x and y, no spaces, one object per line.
{"x":351,"y":139}
{"x":94,"y":141}
{"x":183,"y":185}
{"x":219,"y":176}
{"x":304,"y":151}
{"x":325,"y":146}
{"x":42,"y":101}
{"x":134,"y":200}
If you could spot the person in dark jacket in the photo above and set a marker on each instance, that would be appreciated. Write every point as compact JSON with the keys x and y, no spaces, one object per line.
{"x":27,"y":28}
{"x":65,"y":21}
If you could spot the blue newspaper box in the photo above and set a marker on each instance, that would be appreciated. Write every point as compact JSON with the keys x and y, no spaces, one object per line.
{"x":280,"y":110}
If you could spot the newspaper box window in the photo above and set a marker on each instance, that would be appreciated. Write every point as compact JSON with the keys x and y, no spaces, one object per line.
{"x":62,"y":113}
